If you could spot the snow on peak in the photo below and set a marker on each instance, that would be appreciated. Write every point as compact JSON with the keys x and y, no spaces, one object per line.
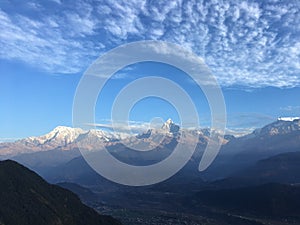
{"x":170,"y":126}
{"x":101,"y":135}
{"x":64,"y":134}
{"x":59,"y":136}
{"x":288,"y":119}
{"x":169,"y":121}
{"x":283,"y":126}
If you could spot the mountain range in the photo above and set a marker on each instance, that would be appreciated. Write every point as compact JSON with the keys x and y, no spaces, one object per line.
{"x":238,"y":154}
{"x":67,"y":138}
{"x":61,"y":145}
{"x":62,"y":138}
{"x":249,"y":170}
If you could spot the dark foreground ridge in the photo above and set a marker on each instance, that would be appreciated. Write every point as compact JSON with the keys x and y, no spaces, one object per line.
{"x":29,"y":200}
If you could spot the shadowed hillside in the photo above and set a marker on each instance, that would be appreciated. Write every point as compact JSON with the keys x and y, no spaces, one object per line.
{"x":28,"y":200}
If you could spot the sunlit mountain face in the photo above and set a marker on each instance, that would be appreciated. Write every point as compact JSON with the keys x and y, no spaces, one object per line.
{"x":152,"y":112}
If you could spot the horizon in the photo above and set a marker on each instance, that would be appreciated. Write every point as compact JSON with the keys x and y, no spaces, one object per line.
{"x":142,"y":127}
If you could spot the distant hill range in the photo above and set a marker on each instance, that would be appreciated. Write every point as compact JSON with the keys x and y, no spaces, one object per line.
{"x":29,"y":200}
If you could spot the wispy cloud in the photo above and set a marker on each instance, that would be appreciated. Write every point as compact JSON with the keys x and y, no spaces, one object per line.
{"x":251,"y":43}
{"x":128,"y":126}
{"x":291,"y":109}
{"x":248,"y":121}
{"x":47,"y":43}
{"x":57,"y":1}
{"x":8,"y":139}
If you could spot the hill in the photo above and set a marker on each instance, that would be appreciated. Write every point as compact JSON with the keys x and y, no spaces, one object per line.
{"x":273,"y":200}
{"x":283,"y":168}
{"x":29,"y":200}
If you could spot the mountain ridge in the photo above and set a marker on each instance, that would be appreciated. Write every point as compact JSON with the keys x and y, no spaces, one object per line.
{"x":29,"y":200}
{"x":67,"y":138}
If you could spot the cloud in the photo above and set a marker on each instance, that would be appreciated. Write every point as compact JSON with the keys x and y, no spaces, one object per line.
{"x":142,"y":127}
{"x":133,"y":126}
{"x":57,"y":1}
{"x":291,"y":109}
{"x":246,"y":43}
{"x":248,"y":121}
{"x":238,"y":132}
{"x":8,"y":139}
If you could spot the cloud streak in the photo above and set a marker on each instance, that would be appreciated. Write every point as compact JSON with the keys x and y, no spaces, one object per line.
{"x":245,"y":43}
{"x":291,"y":109}
{"x":8,"y":139}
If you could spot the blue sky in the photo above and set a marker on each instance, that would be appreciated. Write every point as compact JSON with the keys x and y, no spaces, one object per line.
{"x":252,"y":48}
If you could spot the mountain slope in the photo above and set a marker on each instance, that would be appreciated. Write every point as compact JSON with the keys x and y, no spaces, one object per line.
{"x":75,"y":171}
{"x":45,"y":159}
{"x":282,"y":168}
{"x":240,"y":153}
{"x":85,"y":194}
{"x":28,"y":200}
{"x":61,"y":138}
{"x":274,"y":200}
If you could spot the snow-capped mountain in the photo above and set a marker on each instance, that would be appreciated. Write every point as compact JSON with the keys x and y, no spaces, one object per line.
{"x":67,"y":138}
{"x":279,"y":137}
{"x":63,"y":138}
{"x":278,"y":127}
{"x":60,"y":136}
{"x":170,"y":127}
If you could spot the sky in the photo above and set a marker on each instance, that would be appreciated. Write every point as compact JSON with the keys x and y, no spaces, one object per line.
{"x":251,"y":47}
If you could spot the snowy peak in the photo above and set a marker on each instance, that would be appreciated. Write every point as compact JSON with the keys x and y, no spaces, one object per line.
{"x":169,"y":121}
{"x":279,"y":127}
{"x":66,"y":133}
{"x":60,"y":135}
{"x":170,"y":127}
{"x":100,"y":135}
{"x":290,"y":119}
{"x":63,"y":138}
